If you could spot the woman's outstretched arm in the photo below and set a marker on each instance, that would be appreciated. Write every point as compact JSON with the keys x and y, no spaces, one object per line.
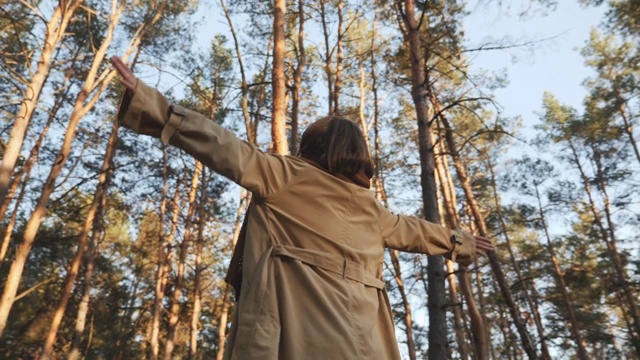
{"x":412,"y":234}
{"x":146,"y":111}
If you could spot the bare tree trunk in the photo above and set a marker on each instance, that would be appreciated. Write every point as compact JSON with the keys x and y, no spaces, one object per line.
{"x":477,"y":321}
{"x":297,"y":81}
{"x":362,"y":85}
{"x":161,"y":261}
{"x":436,"y":270}
{"x":25,"y":170}
{"x":56,"y":27}
{"x":461,"y":172}
{"x":279,"y":122}
{"x":527,"y":284}
{"x":328,"y":55}
{"x":628,"y":129}
{"x":630,"y":297}
{"x":226,"y":303}
{"x":619,"y":270}
{"x":379,"y":174}
{"x":197,"y":303}
{"x":124,"y":326}
{"x":83,"y":308}
{"x":338,"y":76}
{"x":92,"y":223}
{"x":178,"y":286}
{"x":84,"y":102}
{"x":407,"y":316}
{"x":244,"y":86}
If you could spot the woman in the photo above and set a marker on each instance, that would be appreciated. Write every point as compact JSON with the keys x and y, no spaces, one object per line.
{"x":315,"y":234}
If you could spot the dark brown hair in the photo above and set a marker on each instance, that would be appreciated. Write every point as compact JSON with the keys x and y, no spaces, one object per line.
{"x":336,"y":144}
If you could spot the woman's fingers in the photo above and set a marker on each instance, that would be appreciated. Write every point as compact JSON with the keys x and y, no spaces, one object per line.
{"x":126,"y":76}
{"x":483,"y":245}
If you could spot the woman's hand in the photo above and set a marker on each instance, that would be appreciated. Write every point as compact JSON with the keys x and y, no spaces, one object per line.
{"x":483,"y":245}
{"x":127,"y":78}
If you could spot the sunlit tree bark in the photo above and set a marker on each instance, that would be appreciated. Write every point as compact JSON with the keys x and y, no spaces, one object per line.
{"x":55,"y":30}
{"x":278,"y":125}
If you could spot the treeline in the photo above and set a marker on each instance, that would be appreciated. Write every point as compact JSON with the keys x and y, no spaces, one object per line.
{"x":114,"y":246}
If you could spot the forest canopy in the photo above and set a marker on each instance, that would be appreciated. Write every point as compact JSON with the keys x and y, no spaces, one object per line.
{"x":115,"y":246}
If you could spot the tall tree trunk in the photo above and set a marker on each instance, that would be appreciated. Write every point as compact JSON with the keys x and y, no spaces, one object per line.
{"x":407,"y":318}
{"x":297,"y":81}
{"x":631,"y":298}
{"x":379,"y":174}
{"x":612,"y":250}
{"x":91,"y":224}
{"x":328,"y":55}
{"x":362,"y":85}
{"x":178,"y":286}
{"x":161,"y":260}
{"x":226,"y":302}
{"x":478,"y":218}
{"x":436,"y":270}
{"x":94,"y":85}
{"x":244,"y":86}
{"x":628,"y":128}
{"x":56,"y":27}
{"x":197,"y":304}
{"x":125,"y":328}
{"x":338,"y":76}
{"x":25,"y":170}
{"x":527,"y":284}
{"x":83,"y":308}
{"x":478,"y":329}
{"x":279,"y":122}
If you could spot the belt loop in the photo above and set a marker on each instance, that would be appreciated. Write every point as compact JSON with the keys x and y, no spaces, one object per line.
{"x":344,"y":268}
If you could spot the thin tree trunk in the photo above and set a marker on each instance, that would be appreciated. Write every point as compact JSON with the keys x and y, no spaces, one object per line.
{"x":83,"y":308}
{"x":161,"y":260}
{"x":125,"y":327}
{"x":25,"y":170}
{"x":327,"y":50}
{"x":631,"y":298}
{"x":338,"y":75}
{"x":628,"y":129}
{"x":477,"y":321}
{"x":92,"y":223}
{"x":611,"y":249}
{"x":174,"y":312}
{"x":456,"y":306}
{"x":407,"y":316}
{"x":297,"y":81}
{"x":436,"y":271}
{"x":527,"y":284}
{"x":56,"y":27}
{"x":362,"y":85}
{"x":226,"y":302}
{"x":222,"y":324}
{"x":379,"y":174}
{"x":244,"y":86}
{"x":197,"y":304}
{"x":464,"y":180}
{"x":279,"y":122}
{"x":84,"y":102}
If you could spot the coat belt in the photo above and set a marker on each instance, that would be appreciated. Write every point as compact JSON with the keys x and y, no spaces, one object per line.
{"x":341,"y":266}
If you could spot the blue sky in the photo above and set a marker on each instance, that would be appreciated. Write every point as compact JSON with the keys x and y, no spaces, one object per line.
{"x":553,"y":65}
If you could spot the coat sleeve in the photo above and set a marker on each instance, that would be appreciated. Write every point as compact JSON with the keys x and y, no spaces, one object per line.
{"x":148,"y":112}
{"x":412,"y":234}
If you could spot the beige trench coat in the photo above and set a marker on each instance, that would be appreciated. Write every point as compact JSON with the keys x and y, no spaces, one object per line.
{"x":312,"y":269}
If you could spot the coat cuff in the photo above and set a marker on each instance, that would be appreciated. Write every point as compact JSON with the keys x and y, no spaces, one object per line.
{"x":464,"y":247}
{"x":146,"y":111}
